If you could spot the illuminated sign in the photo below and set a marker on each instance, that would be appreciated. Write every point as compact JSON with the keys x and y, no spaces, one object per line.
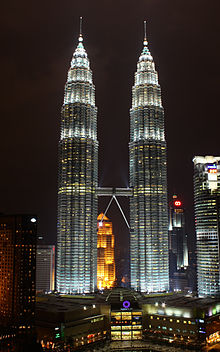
{"x":126,"y":304}
{"x":211,"y":166}
{"x":213,"y":338}
{"x":177,"y":203}
{"x":212,"y":171}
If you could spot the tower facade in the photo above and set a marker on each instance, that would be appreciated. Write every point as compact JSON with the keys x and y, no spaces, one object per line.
{"x":177,"y":233}
{"x":106,"y":256}
{"x":148,"y":178}
{"x":78,"y":173}
{"x":207,"y":221}
{"x":45,"y":268}
{"x":17,"y":275}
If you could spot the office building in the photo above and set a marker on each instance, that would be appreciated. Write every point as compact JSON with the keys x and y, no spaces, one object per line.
{"x":177,"y":233}
{"x":78,"y":173}
{"x":17,"y":274}
{"x":105,"y":255}
{"x":148,"y":179}
{"x":207,"y":206}
{"x":45,"y":268}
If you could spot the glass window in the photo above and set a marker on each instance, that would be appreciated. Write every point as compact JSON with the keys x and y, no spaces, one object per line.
{"x":137,"y":335}
{"x":116,"y":335}
{"x":118,"y":327}
{"x":126,"y":335}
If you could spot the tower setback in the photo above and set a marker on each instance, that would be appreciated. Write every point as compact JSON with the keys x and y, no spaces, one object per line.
{"x":78,"y":173}
{"x":148,"y":178}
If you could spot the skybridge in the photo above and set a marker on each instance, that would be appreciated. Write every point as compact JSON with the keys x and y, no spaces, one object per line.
{"x":114,"y":193}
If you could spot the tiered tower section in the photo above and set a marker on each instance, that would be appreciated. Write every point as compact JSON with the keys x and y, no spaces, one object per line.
{"x":78,"y":177}
{"x":148,"y":178}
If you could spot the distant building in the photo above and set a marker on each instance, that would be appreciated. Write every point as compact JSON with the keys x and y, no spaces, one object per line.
{"x":45,"y":268}
{"x":177,"y":233}
{"x":207,"y":208}
{"x":105,"y":255}
{"x":17,"y":274}
{"x":122,"y":266}
{"x":178,"y":248}
{"x":179,"y":281}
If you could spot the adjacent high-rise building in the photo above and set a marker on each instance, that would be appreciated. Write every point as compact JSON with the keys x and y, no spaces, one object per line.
{"x":178,"y":248}
{"x":207,"y":222}
{"x":45,"y":268}
{"x":17,"y":273}
{"x":148,"y":178}
{"x":106,"y":255}
{"x":78,"y":173}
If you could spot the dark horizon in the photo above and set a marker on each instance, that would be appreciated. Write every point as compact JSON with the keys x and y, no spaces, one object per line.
{"x":37,"y":45}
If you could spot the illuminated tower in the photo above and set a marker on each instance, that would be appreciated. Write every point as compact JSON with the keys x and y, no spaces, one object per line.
{"x":106,"y":257}
{"x":148,"y":178}
{"x":207,"y":221}
{"x":78,"y":169}
{"x":177,"y":233}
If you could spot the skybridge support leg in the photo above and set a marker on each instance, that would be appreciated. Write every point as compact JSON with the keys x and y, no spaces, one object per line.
{"x":120,"y":208}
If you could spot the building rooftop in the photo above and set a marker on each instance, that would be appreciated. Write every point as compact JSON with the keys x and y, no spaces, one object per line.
{"x":63,"y":303}
{"x":180,"y":300}
{"x":116,"y":296}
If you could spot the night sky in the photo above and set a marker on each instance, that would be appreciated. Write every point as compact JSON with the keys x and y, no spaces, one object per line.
{"x":37,"y":42}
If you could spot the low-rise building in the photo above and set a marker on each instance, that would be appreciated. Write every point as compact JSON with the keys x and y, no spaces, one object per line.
{"x":71,"y":320}
{"x":121,"y":314}
{"x":179,"y":319}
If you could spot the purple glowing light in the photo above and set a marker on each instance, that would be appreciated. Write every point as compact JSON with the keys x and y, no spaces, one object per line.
{"x":126,"y":304}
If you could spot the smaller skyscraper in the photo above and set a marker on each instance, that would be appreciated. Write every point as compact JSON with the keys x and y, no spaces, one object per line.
{"x":17,"y":273}
{"x":178,"y":247}
{"x":106,"y":256}
{"x":45,"y":268}
{"x":207,"y":206}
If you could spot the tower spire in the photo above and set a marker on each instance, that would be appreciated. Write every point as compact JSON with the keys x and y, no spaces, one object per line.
{"x":145,"y":33}
{"x":80,"y":30}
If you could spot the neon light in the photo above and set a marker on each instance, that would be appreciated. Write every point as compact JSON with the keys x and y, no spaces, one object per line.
{"x":126,"y":304}
{"x":177,"y":203}
{"x":212,"y":171}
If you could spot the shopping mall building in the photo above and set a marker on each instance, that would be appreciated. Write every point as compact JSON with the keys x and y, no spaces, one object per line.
{"x":123,"y":314}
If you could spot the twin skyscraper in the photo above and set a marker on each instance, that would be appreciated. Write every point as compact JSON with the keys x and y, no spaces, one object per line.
{"x":78,"y":190}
